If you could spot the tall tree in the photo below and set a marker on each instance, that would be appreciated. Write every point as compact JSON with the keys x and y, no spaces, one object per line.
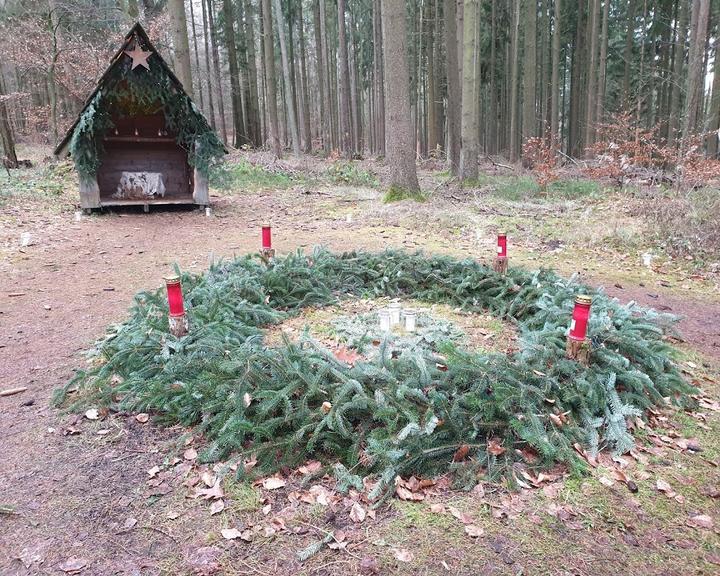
{"x":714,"y":107}
{"x":696,"y":61}
{"x":271,"y":103}
{"x":178,"y":29}
{"x":529,"y":128}
{"x":594,"y":6}
{"x":239,"y":137}
{"x":602,"y":64}
{"x":289,"y":97}
{"x":346,"y":138}
{"x":254,"y":129}
{"x":208,"y":66}
{"x":196,"y":76}
{"x":306,"y":137}
{"x":555,"y":72}
{"x":469,"y":130}
{"x":628,"y":54}
{"x":678,"y":65}
{"x":400,"y":144}
{"x":514,"y":65}
{"x":453,"y":86}
{"x":7,"y":142}
{"x":379,"y":80}
{"x":216,"y":69}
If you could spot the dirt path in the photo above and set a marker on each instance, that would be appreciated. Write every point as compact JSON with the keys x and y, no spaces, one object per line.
{"x":74,"y":495}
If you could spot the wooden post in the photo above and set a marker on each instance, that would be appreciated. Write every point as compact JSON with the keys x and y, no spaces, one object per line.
{"x":578,"y":350}
{"x":89,"y":193}
{"x":501,"y":264}
{"x":201,"y":195}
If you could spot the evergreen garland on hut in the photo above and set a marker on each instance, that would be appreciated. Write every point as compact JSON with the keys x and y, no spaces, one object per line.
{"x":128,"y":89}
{"x":391,"y":414}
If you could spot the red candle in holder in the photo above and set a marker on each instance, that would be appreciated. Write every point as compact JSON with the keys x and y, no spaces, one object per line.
{"x":502,"y":245}
{"x":580,"y":317}
{"x":175,"y":296}
{"x":266,"y":237}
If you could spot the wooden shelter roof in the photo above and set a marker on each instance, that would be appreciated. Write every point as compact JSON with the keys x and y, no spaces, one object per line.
{"x":136,"y":31}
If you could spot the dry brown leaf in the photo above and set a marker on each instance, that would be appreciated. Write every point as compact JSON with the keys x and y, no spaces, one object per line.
{"x":405,"y":494}
{"x":153,"y":471}
{"x":474,"y":531}
{"x":230,"y":533}
{"x":326,"y":407}
{"x":73,"y":565}
{"x":266,"y":509}
{"x":246,"y":536}
{"x":208,"y":478}
{"x":273,"y":483}
{"x":437,"y":508}
{"x":462,"y":516}
{"x":350,"y":357}
{"x":479,"y":490}
{"x":143,"y":417}
{"x":92,"y":414}
{"x":357,"y":513}
{"x":190,"y":454}
{"x":556,"y":420}
{"x":216,"y":492}
{"x":701,"y":521}
{"x":217,"y":507}
{"x":461,"y":453}
{"x":129,"y":523}
{"x":609,"y":482}
{"x":495,"y":448}
{"x":310,"y":467}
{"x":663,"y":486}
{"x":403,"y":555}
{"x":250,"y":464}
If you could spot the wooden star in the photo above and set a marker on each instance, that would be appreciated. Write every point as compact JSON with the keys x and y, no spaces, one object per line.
{"x":139,"y":57}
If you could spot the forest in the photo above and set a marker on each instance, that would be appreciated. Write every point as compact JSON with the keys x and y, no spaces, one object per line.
{"x":486,"y":78}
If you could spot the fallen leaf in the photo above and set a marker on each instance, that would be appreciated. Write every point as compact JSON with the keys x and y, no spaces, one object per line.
{"x":153,"y":471}
{"x":462,"y":516}
{"x":190,"y":454}
{"x":216,"y":492}
{"x":701,"y":521}
{"x":556,"y":420}
{"x":129,"y":523}
{"x":369,"y":565}
{"x":348,"y":356}
{"x":249,"y":464}
{"x":479,"y":490}
{"x":142,"y":417}
{"x":230,"y":533}
{"x":246,"y":536}
{"x":73,"y":565}
{"x":172,"y":515}
{"x":266,"y":509}
{"x":663,"y":486}
{"x":208,"y":478}
{"x":604,"y":480}
{"x":437,"y":508}
{"x":461,"y":453}
{"x":217,"y":507}
{"x":495,"y":448}
{"x":310,"y":467}
{"x":357,"y":513}
{"x":405,"y":494}
{"x":273,"y":483}
{"x":92,"y":414}
{"x":403,"y":555}
{"x":474,"y":531}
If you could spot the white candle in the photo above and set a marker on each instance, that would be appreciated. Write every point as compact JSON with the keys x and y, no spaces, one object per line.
{"x":384,"y":317}
{"x":395,"y":310}
{"x":410,"y":316}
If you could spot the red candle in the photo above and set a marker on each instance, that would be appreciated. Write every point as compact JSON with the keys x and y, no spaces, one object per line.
{"x":580,"y":317}
{"x":266,"y":237}
{"x":175,"y":296}
{"x":502,"y":245}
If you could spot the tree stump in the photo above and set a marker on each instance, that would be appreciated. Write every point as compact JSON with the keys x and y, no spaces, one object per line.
{"x":501,"y":264}
{"x":178,"y":325}
{"x":267,"y":253}
{"x":578,"y":350}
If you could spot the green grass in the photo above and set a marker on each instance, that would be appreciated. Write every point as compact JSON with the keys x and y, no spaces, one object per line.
{"x":348,"y":173}
{"x":42,"y":182}
{"x":243,"y":496}
{"x":242,"y":176}
{"x":519,"y":188}
{"x":397,"y":194}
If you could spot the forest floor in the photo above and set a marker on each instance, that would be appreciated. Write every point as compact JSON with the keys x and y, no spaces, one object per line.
{"x":81,"y":495}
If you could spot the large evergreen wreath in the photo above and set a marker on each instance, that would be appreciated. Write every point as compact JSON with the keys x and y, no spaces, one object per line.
{"x":411,"y":414}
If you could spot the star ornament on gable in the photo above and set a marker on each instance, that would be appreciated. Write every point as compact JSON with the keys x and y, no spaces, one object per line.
{"x":139,"y":57}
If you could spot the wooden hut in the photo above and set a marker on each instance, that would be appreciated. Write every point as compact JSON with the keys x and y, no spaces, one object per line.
{"x":139,"y":138}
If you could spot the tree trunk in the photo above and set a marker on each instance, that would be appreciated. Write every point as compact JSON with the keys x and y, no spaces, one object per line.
{"x":529,"y":71}
{"x":555,"y":75}
{"x":432,"y":135}
{"x":695,"y":78}
{"x":676,"y":77}
{"x":240,"y":137}
{"x":469,"y":132}
{"x":453,"y":86}
{"x":714,"y":110}
{"x":178,"y":29}
{"x":289,"y":98}
{"x":7,"y":143}
{"x":321,"y":73}
{"x":216,"y":68}
{"x":327,"y":90}
{"x":379,"y":79}
{"x":594,"y":6}
{"x":306,"y":136}
{"x":254,"y":127}
{"x":513,"y":103}
{"x":627,"y":56}
{"x":400,"y":142}
{"x":602,"y":67}
{"x":344,"y":85}
{"x":197,"y":56}
{"x":274,"y":133}
{"x":208,"y":67}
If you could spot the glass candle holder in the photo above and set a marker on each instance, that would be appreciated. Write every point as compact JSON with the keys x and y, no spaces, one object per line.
{"x":175,"y":296}
{"x":580,"y":317}
{"x":410,"y":317}
{"x":384,"y":318}
{"x":395,"y":309}
{"x":266,"y":237}
{"x":502,"y":245}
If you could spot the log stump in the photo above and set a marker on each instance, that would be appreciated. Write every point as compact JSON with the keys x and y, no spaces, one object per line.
{"x":178,"y":325}
{"x":267,"y":253}
{"x":501,"y":264}
{"x":578,"y":350}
